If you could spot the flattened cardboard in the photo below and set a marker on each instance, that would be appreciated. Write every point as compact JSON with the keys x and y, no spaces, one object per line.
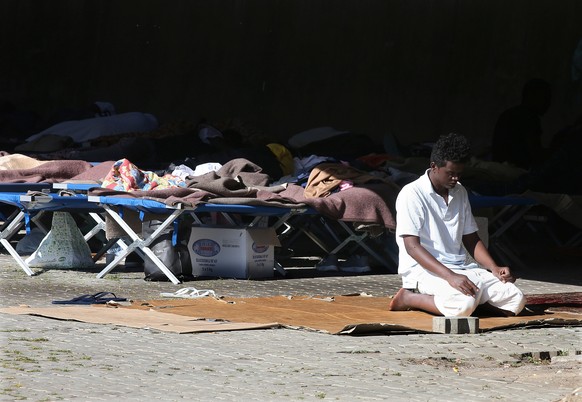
{"x":341,"y":315}
{"x":143,"y":319}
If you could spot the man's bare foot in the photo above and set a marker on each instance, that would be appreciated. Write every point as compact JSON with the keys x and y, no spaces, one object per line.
{"x":398,"y":302}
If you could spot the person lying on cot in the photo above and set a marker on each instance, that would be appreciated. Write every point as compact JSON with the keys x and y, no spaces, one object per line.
{"x":433,"y":223}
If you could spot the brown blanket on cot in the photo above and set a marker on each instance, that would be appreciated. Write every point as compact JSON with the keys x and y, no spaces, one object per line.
{"x":369,"y":203}
{"x":366,"y":203}
{"x":241,"y":182}
{"x":50,"y":172}
{"x":235,"y":183}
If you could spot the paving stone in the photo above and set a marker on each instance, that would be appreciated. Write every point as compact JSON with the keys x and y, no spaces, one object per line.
{"x":80,"y":361}
{"x":455,"y":325}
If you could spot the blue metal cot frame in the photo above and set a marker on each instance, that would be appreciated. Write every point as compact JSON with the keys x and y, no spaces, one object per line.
{"x":115,"y":206}
{"x":509,"y":211}
{"x":29,"y":206}
{"x":44,"y":197}
{"x":323,"y":231}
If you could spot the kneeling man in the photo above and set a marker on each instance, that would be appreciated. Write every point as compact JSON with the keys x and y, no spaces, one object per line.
{"x":433,"y":223}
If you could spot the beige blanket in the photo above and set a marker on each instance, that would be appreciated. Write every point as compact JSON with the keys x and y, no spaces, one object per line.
{"x":18,"y":161}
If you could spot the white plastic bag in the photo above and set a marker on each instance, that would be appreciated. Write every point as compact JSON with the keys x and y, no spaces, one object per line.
{"x":63,"y":246}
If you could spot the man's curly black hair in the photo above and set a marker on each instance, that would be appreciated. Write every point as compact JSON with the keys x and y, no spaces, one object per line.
{"x":450,"y":147}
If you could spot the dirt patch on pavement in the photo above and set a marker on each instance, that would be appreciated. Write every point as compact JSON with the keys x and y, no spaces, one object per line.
{"x":562,"y":372}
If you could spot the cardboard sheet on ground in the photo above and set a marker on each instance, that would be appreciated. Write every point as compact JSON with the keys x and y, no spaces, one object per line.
{"x":144,"y":319}
{"x":354,"y":315}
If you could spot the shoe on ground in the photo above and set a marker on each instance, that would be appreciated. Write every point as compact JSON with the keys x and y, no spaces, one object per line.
{"x":328,"y":264}
{"x":355,"y":263}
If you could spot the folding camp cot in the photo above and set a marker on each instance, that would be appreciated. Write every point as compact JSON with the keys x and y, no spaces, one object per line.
{"x":510,"y":210}
{"x":359,"y":238}
{"x":115,"y":206}
{"x":342,"y":236}
{"x":18,"y":188}
{"x":30,"y":206}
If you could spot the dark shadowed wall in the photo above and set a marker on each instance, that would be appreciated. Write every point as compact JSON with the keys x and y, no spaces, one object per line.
{"x":414,"y":68}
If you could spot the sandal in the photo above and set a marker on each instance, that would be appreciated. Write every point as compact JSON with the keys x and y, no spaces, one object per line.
{"x":97,"y":298}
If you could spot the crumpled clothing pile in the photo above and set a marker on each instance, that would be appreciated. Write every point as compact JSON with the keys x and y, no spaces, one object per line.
{"x":125,"y":176}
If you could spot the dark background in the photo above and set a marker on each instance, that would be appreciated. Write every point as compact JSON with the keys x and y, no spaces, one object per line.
{"x":412,"y":68}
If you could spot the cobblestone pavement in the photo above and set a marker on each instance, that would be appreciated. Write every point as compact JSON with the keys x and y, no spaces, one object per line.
{"x":46,"y":360}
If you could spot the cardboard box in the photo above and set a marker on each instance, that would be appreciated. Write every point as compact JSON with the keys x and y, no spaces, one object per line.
{"x":246,"y":253}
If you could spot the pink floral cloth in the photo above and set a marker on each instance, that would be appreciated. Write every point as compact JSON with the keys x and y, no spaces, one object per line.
{"x":125,"y":176}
